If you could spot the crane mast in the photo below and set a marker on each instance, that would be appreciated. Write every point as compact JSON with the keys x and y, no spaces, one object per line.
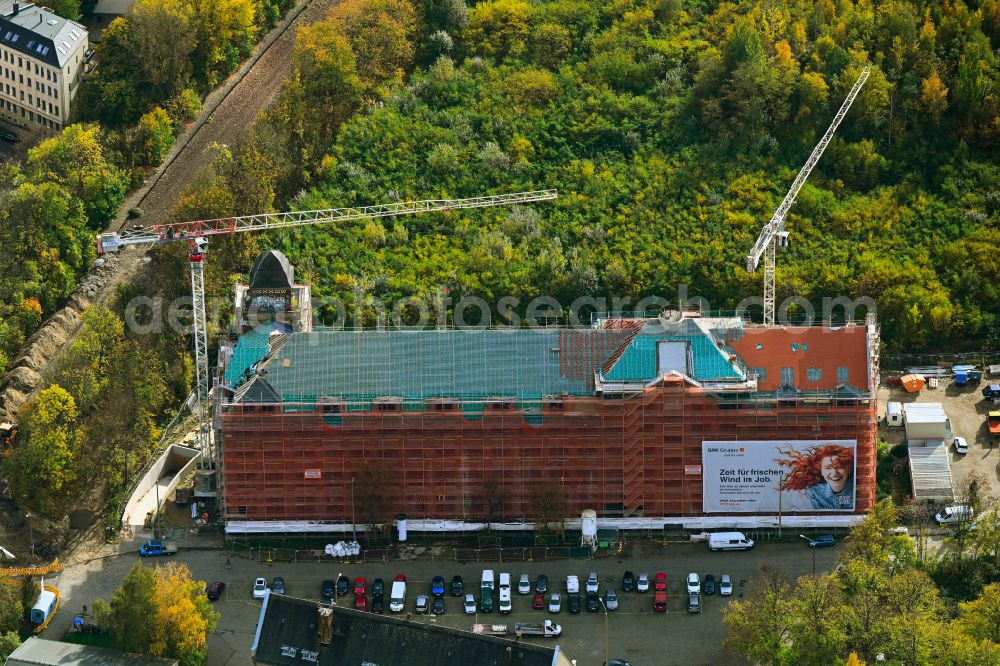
{"x":773,"y":234}
{"x":197,"y":233}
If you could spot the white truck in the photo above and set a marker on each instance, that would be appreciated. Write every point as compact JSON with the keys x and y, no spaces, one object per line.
{"x":572,"y":584}
{"x":397,"y":597}
{"x":548,"y":629}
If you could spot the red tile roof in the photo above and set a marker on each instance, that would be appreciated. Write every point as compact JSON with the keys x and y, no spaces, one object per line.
{"x":802,"y":348}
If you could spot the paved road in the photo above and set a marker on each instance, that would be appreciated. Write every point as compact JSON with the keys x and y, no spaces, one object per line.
{"x":634,"y":631}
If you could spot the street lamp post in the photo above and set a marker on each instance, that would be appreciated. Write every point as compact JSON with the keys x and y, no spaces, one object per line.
{"x":605,"y":628}
{"x":813,"y":549}
{"x":335,"y":583}
{"x":31,"y":532}
{"x":354,"y":524}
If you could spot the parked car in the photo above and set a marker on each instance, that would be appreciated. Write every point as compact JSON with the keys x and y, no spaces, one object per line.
{"x":457,"y":586}
{"x":378,"y":605}
{"x":360,"y":586}
{"x":822,"y":541}
{"x":592,"y":582}
{"x":524,"y":584}
{"x":538,"y":602}
{"x":327,"y":590}
{"x":593,"y":602}
{"x":437,"y":586}
{"x":422,"y":605}
{"x":470,"y":605}
{"x":642,"y":584}
{"x":660,"y":582}
{"x":961,"y":446}
{"x":360,"y":602}
{"x":954,"y":514}
{"x":708,"y":587}
{"x":617,"y":662}
{"x":343,"y":585}
{"x":628,"y":582}
{"x":400,"y":577}
{"x":437,"y":606}
{"x":542,"y":584}
{"x":573,"y":602}
{"x":378,"y":587}
{"x":611,"y":599}
{"x":725,"y":585}
{"x":215,"y":590}
{"x":693,"y":583}
{"x":9,"y":137}
{"x":259,"y":588}
{"x":694,"y":603}
{"x":278,"y":585}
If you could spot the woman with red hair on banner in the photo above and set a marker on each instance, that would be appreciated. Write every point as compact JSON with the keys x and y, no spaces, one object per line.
{"x":824,"y":472}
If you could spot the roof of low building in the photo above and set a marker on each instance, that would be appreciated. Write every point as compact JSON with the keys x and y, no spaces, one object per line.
{"x":38,"y":32}
{"x":288,"y":633}
{"x":40,"y":652}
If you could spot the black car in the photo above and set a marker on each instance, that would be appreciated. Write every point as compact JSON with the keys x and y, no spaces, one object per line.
{"x":327,"y":592}
{"x":573,"y":603}
{"x":617,"y":662}
{"x":457,"y":587}
{"x":593,"y":602}
{"x":542,"y":584}
{"x":708,"y":586}
{"x":628,"y":582}
{"x":9,"y":137}
{"x":437,"y":606}
{"x":278,"y":585}
{"x":378,"y":604}
{"x":378,"y":587}
{"x":216,"y":589}
{"x":343,"y":585}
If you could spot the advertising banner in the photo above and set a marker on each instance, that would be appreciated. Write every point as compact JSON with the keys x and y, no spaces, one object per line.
{"x":765,"y":476}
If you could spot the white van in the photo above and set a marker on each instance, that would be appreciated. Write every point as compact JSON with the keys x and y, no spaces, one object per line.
{"x":505,"y":605}
{"x":729,"y":541}
{"x":397,"y":597}
{"x":572,"y":584}
{"x":505,"y":581}
{"x":954,"y":514}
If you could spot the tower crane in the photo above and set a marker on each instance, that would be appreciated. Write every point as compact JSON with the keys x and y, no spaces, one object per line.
{"x":773,"y":234}
{"x":197,"y":234}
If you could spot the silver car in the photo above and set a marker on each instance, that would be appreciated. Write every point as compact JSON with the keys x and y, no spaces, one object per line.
{"x":470,"y":605}
{"x":524,"y":584}
{"x":642,"y":583}
{"x":555,"y":603}
{"x":725,"y":585}
{"x":611,"y":600}
{"x":592,"y":582}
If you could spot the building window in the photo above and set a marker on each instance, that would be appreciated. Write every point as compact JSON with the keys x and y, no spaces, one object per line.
{"x":788,"y":376}
{"x":760,"y":372}
{"x":842,"y":374}
{"x":814,"y":374}
{"x":241,"y":510}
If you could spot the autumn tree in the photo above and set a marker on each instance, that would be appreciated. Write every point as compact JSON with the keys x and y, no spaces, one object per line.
{"x":376,"y":496}
{"x":548,"y":506}
{"x":41,"y":466}
{"x":155,"y":136}
{"x":381,"y":34}
{"x":164,"y":41}
{"x":758,"y":626}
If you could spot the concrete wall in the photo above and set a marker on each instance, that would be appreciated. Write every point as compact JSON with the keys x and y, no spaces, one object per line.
{"x":181,"y":458}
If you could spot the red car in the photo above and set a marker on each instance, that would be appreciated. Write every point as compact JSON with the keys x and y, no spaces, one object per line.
{"x":360,"y":602}
{"x":215,"y":590}
{"x":400,"y":577}
{"x":660,"y":582}
{"x":539,"y":602}
{"x":359,"y":587}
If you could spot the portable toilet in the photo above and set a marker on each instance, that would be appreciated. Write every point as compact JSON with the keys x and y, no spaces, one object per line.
{"x":961,"y":377}
{"x":894,"y":415}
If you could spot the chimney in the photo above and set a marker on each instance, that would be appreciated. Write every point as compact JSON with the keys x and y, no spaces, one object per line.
{"x":17,"y":8}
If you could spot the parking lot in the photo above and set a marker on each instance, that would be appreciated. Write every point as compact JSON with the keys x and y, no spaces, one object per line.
{"x":634,"y":632}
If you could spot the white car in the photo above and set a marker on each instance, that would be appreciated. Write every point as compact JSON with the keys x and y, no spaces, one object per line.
{"x":725,"y":585}
{"x":642,"y":583}
{"x":961,"y":446}
{"x":260,"y":588}
{"x":470,"y":605}
{"x":592,"y":582}
{"x":693,"y":583}
{"x":555,"y":603}
{"x":524,"y":584}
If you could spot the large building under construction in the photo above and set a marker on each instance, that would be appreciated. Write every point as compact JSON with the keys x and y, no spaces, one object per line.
{"x":676,"y":420}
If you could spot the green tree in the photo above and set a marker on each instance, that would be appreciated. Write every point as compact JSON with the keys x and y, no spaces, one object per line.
{"x":499,"y":28}
{"x":759,"y":625}
{"x":9,"y":642}
{"x":11,"y":609}
{"x":155,"y":136}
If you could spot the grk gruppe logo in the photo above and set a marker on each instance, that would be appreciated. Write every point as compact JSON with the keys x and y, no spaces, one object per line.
{"x":726,"y":451}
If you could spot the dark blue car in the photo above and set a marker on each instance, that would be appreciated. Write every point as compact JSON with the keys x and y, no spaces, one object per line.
{"x":437,"y":586}
{"x":822,"y":541}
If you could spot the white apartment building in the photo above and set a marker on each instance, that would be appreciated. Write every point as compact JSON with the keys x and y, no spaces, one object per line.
{"x":42,"y":59}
